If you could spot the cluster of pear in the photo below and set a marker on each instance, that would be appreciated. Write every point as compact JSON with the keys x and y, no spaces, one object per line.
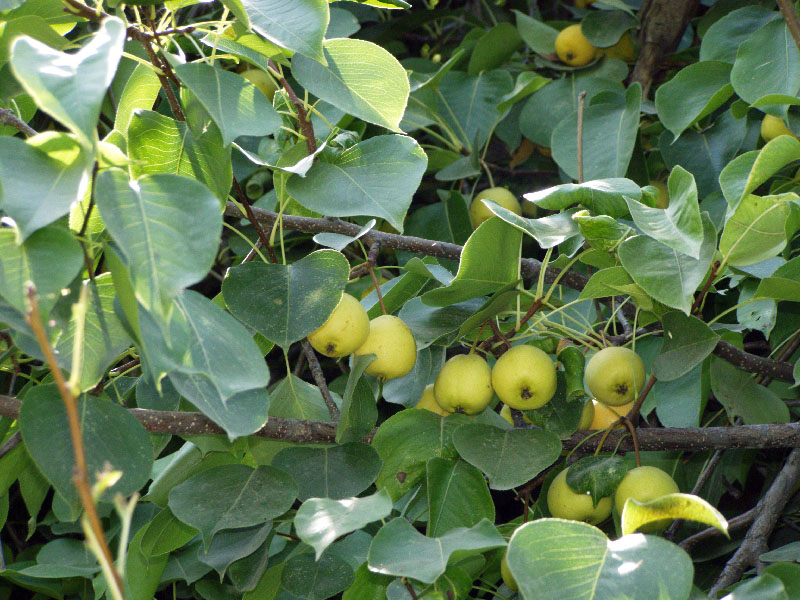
{"x":349,"y":330}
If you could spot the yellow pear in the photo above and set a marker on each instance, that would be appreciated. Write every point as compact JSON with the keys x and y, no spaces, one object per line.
{"x":428,"y":402}
{"x":505,"y":573}
{"x":573,"y":48}
{"x":392,"y":342}
{"x":478,"y":212}
{"x":587,"y":416}
{"x":644,"y":484}
{"x":622,"y":50}
{"x":344,"y":331}
{"x":615,"y":375}
{"x":524,"y":377}
{"x":606,"y":415}
{"x":563,"y":503}
{"x":464,"y":384}
{"x":772,"y":127}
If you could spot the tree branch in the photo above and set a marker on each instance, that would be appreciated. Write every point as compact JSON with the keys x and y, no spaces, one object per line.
{"x":792,"y":23}
{"x":767,"y":511}
{"x":530,"y":268}
{"x":7,"y":117}
{"x":319,"y":378}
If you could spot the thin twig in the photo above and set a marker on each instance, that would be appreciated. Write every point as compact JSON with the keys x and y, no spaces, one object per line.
{"x":302,"y":116}
{"x":80,"y":474}
{"x":698,"y":302}
{"x":177,"y":111}
{"x":642,"y":397}
{"x":581,"y":102}
{"x":10,"y":444}
{"x":513,"y":331}
{"x":708,"y":470}
{"x":262,"y":237}
{"x":7,"y":117}
{"x":133,"y":32}
{"x":319,"y":379}
{"x":792,"y":22}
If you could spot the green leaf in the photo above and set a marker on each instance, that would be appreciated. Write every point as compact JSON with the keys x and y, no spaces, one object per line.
{"x":757,"y":230}
{"x":527,"y":83}
{"x":664,"y":273}
{"x":489,"y":261}
{"x":679,"y":225}
{"x":309,"y":579}
{"x":70,"y":87}
{"x":165,"y":533}
{"x":783,"y":284}
{"x":168,"y":244}
{"x":396,"y":292}
{"x":406,"y":441}
{"x":215,"y":364}
{"x":598,"y":476}
{"x":539,"y":36}
{"x":605,"y":28}
{"x":287,"y":302}
{"x":249,"y":47}
{"x":62,"y":178}
{"x":704,"y":154}
{"x":229,"y":546}
{"x":337,"y":472}
{"x":236,"y":105}
{"x":159,"y":144}
{"x":723,"y":38}
{"x":359,"y":412}
{"x":348,"y":80}
{"x":429,"y":323}
{"x":609,"y":135}
{"x":140,"y":93}
{"x":104,"y":337}
{"x":62,"y":558}
{"x":299,"y":26}
{"x":765,"y":585}
{"x":687,"y":342}
{"x":545,"y":109}
{"x":636,"y":515}
{"x":767,"y":63}
{"x":509,"y":458}
{"x":494,"y":48}
{"x":400,"y":550}
{"x":231,"y":497}
{"x":457,"y":496}
{"x":294,"y":398}
{"x":747,"y":172}
{"x":111,"y":435}
{"x":548,"y":231}
{"x":601,"y":232}
{"x":694,"y":92}
{"x":367,"y":585}
{"x":561,"y":416}
{"x":602,"y":196}
{"x":320,"y":521}
{"x":572,"y":560}
{"x":742,"y":397}
{"x":376,"y":178}
{"x":50,"y":259}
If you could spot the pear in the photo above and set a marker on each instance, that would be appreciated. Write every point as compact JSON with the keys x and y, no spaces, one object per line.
{"x":615,"y":375}
{"x":344,"y":331}
{"x":392,"y":342}
{"x":464,"y":384}
{"x":524,"y":377}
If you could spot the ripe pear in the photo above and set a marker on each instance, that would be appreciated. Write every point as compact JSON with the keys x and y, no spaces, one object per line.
{"x":428,"y":401}
{"x":262,"y":81}
{"x":344,"y":331}
{"x":524,"y":377}
{"x":464,"y":384}
{"x":663,"y":194}
{"x":606,"y":415}
{"x":622,"y":50}
{"x":615,"y":375}
{"x":573,"y":48}
{"x":505,"y":573}
{"x":563,"y":503}
{"x":478,"y":212}
{"x":393,"y":344}
{"x":587,"y":416}
{"x":645,"y":484}
{"x":772,"y":127}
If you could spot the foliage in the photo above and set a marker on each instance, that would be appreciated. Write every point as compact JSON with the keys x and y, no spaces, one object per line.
{"x":171,"y":235}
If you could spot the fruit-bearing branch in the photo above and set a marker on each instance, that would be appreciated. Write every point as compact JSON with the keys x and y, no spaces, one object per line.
{"x":530,"y":268}
{"x":754,"y":437}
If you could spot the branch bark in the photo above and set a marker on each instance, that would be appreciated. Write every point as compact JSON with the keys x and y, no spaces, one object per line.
{"x":663,"y":24}
{"x":767,"y":511}
{"x":530,"y":268}
{"x":7,"y":117}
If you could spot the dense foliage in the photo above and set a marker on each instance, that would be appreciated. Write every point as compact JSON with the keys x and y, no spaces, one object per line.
{"x":187,"y":190}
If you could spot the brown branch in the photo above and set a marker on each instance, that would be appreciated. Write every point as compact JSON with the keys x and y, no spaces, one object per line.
{"x":162,"y":78}
{"x":642,"y":397}
{"x":768,"y":510}
{"x":80,"y":473}
{"x":513,"y":331}
{"x":252,"y":218}
{"x":754,"y":364}
{"x":698,"y":302}
{"x":663,"y":24}
{"x":305,"y":122}
{"x":7,"y":117}
{"x":81,"y":10}
{"x":790,"y":16}
{"x":319,"y":378}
